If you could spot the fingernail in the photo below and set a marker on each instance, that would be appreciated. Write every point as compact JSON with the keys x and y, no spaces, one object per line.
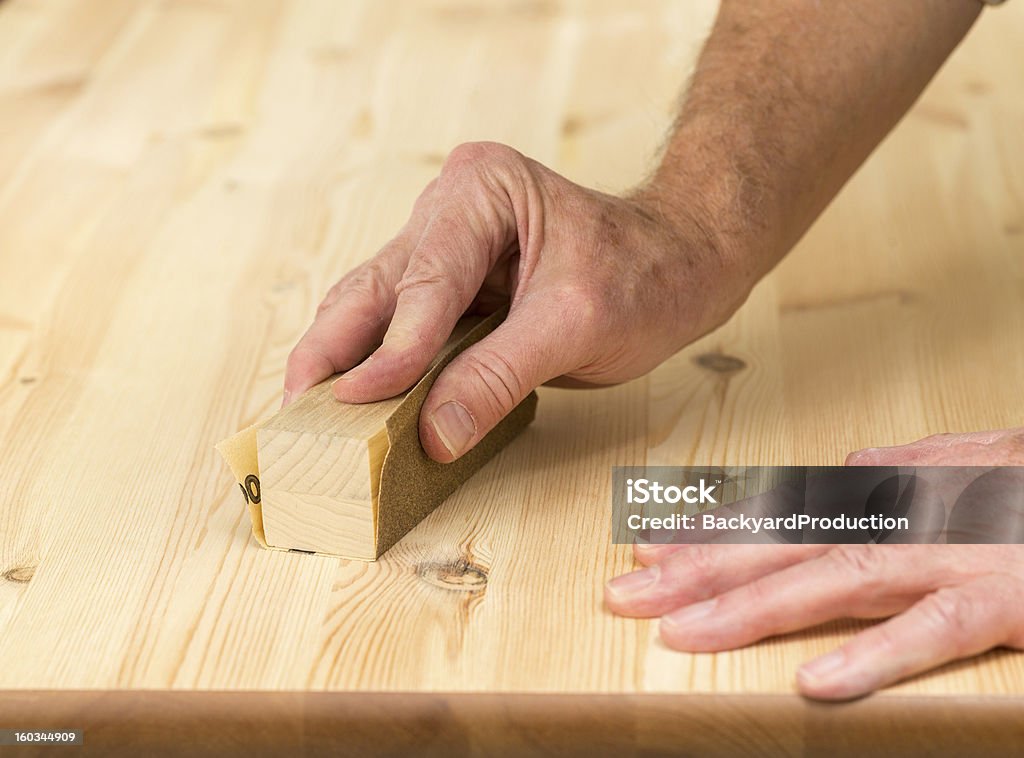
{"x":823,"y":667}
{"x":454,"y":425}
{"x":286,"y":398}
{"x":634,"y":582}
{"x":691,"y":614}
{"x":647,"y":548}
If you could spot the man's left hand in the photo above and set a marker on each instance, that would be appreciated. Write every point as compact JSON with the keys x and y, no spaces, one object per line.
{"x":941,"y":602}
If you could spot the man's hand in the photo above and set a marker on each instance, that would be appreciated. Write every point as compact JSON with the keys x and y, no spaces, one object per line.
{"x":1002,"y":447}
{"x":602,"y":289}
{"x":945,"y":601}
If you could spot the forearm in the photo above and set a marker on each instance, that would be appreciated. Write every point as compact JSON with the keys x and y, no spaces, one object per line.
{"x":788,"y":98}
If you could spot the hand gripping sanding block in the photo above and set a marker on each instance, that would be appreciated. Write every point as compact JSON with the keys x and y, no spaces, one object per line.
{"x":327,"y":477}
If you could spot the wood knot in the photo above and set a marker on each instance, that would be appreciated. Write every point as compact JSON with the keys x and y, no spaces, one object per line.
{"x":221,"y":131}
{"x":20,"y":574}
{"x":572,"y":125}
{"x":978,"y":87}
{"x":431,"y":159}
{"x":720,"y":363}
{"x":460,"y":575}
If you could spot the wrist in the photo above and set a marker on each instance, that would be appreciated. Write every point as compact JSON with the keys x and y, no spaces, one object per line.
{"x":696,"y":242}
{"x":704,"y":210}
{"x":719,"y":173}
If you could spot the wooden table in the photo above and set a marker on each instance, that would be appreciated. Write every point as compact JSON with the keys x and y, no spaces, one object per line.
{"x":180,"y":182}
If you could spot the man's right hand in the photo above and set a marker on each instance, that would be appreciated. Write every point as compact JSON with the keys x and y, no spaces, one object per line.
{"x":601,"y":290}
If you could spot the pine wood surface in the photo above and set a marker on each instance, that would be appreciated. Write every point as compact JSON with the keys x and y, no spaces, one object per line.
{"x":320,"y":464}
{"x":181,"y":181}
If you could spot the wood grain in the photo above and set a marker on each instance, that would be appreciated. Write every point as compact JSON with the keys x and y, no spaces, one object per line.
{"x":320,"y":463}
{"x":181,"y":181}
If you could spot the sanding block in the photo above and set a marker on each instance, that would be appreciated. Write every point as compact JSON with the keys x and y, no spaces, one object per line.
{"x":327,"y":477}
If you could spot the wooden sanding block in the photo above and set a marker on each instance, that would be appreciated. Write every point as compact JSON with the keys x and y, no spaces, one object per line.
{"x":323,"y":476}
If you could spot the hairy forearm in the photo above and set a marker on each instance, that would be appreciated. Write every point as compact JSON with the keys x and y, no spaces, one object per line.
{"x":787,"y":99}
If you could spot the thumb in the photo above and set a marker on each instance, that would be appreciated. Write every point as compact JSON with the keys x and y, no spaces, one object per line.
{"x":485,"y":382}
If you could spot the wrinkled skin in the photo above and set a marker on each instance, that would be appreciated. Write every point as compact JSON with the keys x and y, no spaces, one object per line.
{"x":601,"y":290}
{"x":941,"y":602}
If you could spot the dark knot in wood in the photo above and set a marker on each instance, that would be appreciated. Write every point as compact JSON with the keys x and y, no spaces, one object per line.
{"x":459,"y":575}
{"x":720,"y":362}
{"x":20,"y":574}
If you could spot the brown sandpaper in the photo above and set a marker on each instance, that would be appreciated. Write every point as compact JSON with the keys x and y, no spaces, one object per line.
{"x":412,"y":484}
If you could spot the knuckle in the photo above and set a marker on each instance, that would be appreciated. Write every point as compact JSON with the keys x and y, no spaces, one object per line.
{"x":756,"y":602}
{"x":429,"y":272}
{"x":497,"y":380}
{"x":929,"y":444}
{"x":369,"y":281}
{"x":473,"y":156}
{"x":860,"y":457}
{"x":701,"y":568}
{"x":883,"y":640}
{"x":758,"y":592}
{"x":298,"y":358}
{"x":439,"y":272}
{"x":1012,"y":585}
{"x":859,"y":560}
{"x":949,"y":611}
{"x":329,"y":299}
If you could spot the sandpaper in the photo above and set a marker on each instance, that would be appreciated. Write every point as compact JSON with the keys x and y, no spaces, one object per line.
{"x":412,"y":484}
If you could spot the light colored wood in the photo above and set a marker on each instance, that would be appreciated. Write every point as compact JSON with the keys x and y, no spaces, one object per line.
{"x":320,"y":464}
{"x":180,"y":182}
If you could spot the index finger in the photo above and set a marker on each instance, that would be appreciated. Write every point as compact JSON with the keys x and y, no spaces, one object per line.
{"x":349,"y":323}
